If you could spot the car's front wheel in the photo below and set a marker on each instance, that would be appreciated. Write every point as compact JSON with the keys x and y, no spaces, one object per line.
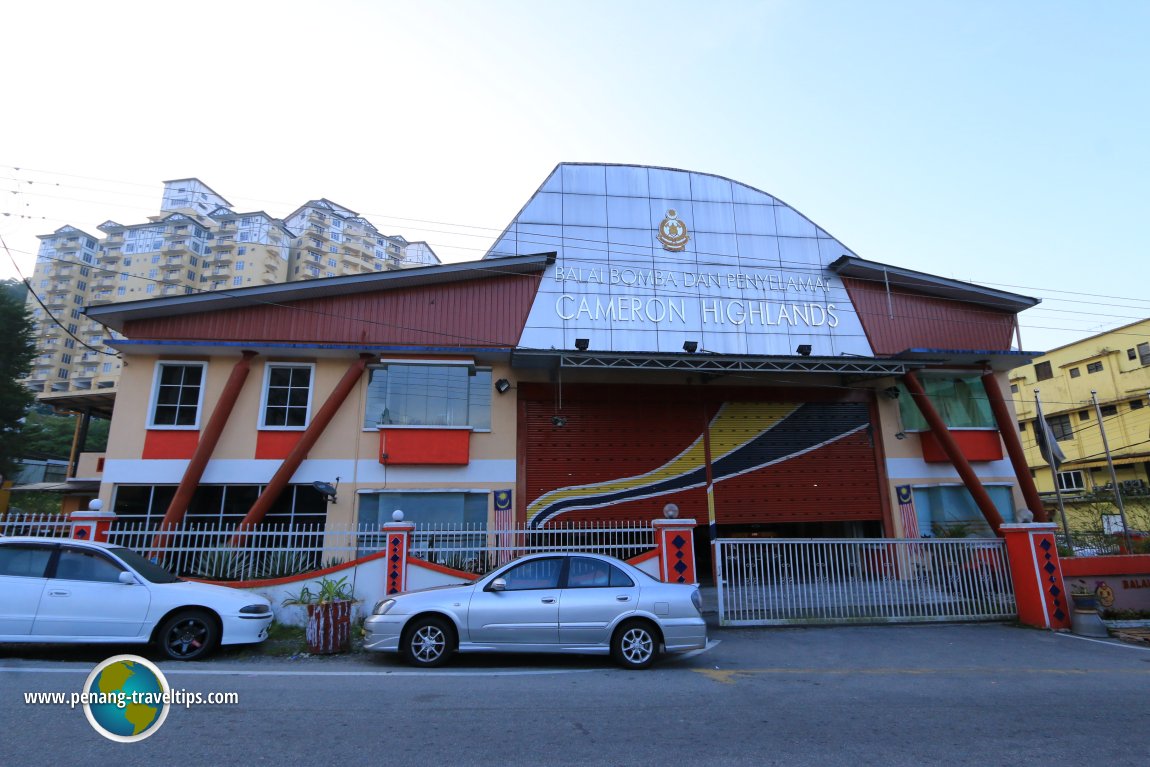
{"x":429,"y":642}
{"x":634,"y":645}
{"x":188,"y":635}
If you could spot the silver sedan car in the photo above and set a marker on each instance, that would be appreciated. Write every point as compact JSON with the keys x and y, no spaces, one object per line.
{"x":556,"y":603}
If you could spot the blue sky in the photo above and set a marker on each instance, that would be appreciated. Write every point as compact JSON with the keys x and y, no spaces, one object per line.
{"x":998,"y":142}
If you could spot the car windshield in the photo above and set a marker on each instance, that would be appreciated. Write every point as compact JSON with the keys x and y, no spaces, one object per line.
{"x":147,"y":569}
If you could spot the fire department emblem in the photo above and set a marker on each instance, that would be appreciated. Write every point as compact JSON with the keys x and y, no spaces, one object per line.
{"x":673,"y":233}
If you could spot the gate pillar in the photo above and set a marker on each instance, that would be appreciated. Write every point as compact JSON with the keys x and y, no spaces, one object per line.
{"x":93,"y":524}
{"x":398,"y":535}
{"x":675,"y":542}
{"x":1032,"y":552}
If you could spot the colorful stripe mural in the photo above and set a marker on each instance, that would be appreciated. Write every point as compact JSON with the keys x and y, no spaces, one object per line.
{"x":744,"y":437}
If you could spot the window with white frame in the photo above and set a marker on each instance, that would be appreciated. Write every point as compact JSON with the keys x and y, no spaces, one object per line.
{"x":286,"y":395}
{"x":1071,"y":480}
{"x":405,"y":394}
{"x":177,"y":395}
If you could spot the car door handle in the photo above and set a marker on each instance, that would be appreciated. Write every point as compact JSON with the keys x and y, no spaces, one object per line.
{"x":58,"y":593}
{"x":548,"y":600}
{"x":622,"y":598}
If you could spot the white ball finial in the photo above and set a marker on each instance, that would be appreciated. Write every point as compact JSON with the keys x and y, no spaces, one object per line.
{"x":95,"y":504}
{"x":397,"y":516}
{"x":671,"y":511}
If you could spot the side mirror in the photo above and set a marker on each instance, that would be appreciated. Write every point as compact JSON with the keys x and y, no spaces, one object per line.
{"x":498,"y":585}
{"x":126,"y":578}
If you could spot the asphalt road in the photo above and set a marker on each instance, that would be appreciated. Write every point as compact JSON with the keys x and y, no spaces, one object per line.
{"x":954,"y":694}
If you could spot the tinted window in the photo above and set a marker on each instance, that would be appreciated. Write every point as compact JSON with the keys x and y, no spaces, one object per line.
{"x":80,"y":565}
{"x":536,"y":574}
{"x":24,"y":561}
{"x":588,"y":573}
{"x":620,"y":578}
{"x":585,"y":573}
{"x":147,"y":569}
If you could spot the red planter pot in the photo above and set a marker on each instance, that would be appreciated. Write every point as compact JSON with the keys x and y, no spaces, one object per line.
{"x":329,"y":628}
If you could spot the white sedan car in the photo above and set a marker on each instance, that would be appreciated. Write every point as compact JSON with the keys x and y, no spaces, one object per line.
{"x":558,"y":603}
{"x":72,"y":591}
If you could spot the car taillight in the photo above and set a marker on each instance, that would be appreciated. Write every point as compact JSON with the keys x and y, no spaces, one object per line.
{"x":255,"y":610}
{"x":697,"y":600}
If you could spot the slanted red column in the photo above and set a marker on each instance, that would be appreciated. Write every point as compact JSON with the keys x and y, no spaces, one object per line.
{"x":93,"y":524}
{"x":675,"y":542}
{"x":307,"y":440}
{"x":1032,"y":552}
{"x":398,"y":537}
{"x":1008,"y":429}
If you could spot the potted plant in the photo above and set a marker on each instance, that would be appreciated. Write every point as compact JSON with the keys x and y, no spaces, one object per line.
{"x":1083,"y":598}
{"x":328,"y":615}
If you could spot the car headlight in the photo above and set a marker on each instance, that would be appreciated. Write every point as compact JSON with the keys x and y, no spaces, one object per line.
{"x":697,"y":600}
{"x":255,"y":610}
{"x":383,"y":606}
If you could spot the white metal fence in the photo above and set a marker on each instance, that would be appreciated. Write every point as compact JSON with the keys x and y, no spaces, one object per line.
{"x":478,"y":549}
{"x":803,"y":581}
{"x":274,"y":550}
{"x":47,"y":525}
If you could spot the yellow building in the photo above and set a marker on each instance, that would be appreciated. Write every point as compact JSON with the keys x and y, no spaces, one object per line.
{"x":1112,"y":368}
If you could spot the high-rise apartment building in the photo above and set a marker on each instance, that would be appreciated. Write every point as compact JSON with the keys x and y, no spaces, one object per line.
{"x":333,"y":241}
{"x":64,"y":276}
{"x":197,"y":242}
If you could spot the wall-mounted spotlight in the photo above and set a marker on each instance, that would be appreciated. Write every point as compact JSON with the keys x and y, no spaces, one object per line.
{"x":582,"y":343}
{"x":327,"y":490}
{"x":690,"y":347}
{"x":803,"y":350}
{"x":558,"y":421}
{"x":891,"y":392}
{"x":502,"y":385}
{"x":900,"y":435}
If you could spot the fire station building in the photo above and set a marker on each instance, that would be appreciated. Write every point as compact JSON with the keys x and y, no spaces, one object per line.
{"x":637,"y":336}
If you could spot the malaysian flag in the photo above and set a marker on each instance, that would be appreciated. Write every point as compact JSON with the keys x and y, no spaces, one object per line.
{"x":503,"y":522}
{"x":906,"y":510}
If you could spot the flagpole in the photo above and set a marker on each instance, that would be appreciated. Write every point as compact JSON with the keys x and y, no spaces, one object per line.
{"x":1113,"y":476}
{"x":1043,"y":437}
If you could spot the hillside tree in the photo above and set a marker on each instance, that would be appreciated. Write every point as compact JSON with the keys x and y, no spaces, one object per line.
{"x":17,"y":351}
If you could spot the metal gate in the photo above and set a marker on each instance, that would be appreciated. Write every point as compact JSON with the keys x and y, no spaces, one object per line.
{"x":779,"y":581}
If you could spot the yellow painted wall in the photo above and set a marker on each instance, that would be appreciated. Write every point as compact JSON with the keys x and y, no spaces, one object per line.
{"x":1121,"y":381}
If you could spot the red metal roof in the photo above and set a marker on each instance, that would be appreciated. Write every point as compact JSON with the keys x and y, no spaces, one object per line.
{"x":898,"y":319}
{"x":485,"y":312}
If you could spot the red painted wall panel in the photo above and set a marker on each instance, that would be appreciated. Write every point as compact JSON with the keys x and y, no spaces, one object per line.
{"x":484,"y":313}
{"x":975,"y":445}
{"x":159,"y":444}
{"x":276,"y":444}
{"x":925,"y":322}
{"x":424,"y":446}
